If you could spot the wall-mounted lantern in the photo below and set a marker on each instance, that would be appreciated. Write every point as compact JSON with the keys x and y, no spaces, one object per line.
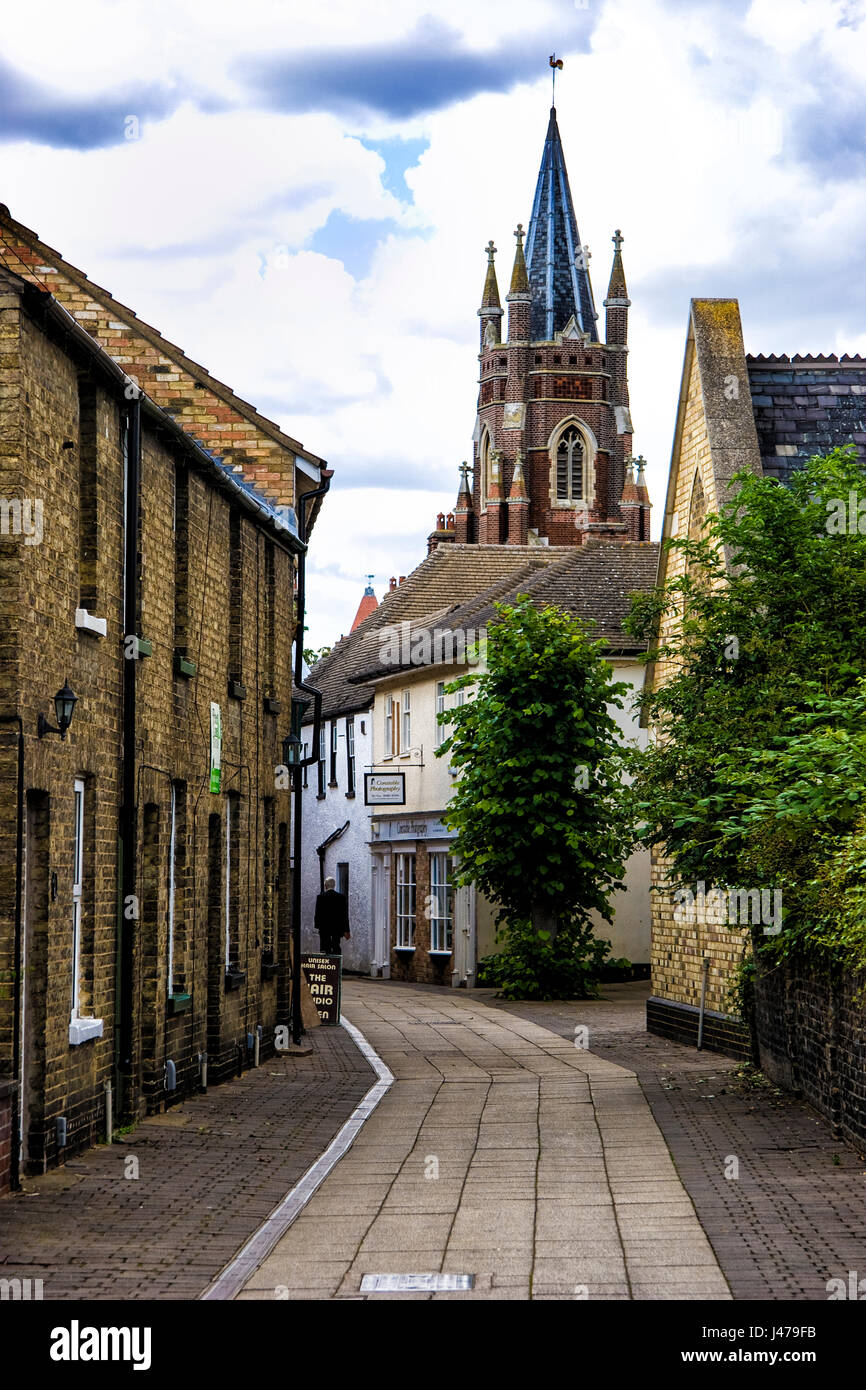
{"x":64,"y":707}
{"x":293,"y":748}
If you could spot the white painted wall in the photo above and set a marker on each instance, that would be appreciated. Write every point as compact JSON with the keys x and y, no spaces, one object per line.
{"x":321,"y":818}
{"x":429,"y":787}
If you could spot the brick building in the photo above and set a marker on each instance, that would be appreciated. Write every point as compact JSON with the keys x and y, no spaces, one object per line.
{"x":552,"y":447}
{"x":148,"y":547}
{"x":769,"y":414}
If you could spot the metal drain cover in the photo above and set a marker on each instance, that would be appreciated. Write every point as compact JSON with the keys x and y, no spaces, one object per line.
{"x":416,"y":1283}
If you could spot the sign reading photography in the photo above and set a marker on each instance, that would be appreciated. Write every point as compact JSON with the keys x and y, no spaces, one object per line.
{"x":384,"y":789}
{"x":323,"y":975}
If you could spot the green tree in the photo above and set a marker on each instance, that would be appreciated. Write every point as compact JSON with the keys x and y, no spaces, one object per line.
{"x":538,"y":811}
{"x":759,"y":773}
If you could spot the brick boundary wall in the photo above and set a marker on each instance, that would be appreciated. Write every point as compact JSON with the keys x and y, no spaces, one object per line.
{"x":811,"y":1035}
{"x":667,"y":1018}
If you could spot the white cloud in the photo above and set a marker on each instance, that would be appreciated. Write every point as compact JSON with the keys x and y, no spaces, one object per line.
{"x":675,"y":127}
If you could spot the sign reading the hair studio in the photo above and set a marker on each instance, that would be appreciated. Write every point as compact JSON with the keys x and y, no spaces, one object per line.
{"x":384,"y":789}
{"x":323,"y":975}
{"x":216,"y":743}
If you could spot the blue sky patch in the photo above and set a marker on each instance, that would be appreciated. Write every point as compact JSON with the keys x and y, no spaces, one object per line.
{"x":399,"y":155}
{"x":352,"y":240}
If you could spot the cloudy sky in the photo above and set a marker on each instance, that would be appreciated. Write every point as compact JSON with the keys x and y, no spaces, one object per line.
{"x":305,"y":200}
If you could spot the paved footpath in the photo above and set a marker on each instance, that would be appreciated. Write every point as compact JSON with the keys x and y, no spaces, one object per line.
{"x":157,"y":1214}
{"x":793,"y":1216}
{"x":503,"y":1151}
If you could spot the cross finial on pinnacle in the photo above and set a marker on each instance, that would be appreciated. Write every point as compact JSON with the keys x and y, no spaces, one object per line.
{"x":617,"y":239}
{"x":491,"y":251}
{"x":464,"y":470}
{"x":520,"y":234}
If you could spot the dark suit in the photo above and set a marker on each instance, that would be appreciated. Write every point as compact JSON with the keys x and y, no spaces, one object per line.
{"x":332,"y":921}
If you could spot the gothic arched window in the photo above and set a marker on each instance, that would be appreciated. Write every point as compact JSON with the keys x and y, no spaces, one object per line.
{"x":484,"y":469}
{"x":569,"y":466}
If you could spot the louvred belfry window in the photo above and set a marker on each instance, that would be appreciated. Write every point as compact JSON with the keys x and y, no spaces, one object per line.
{"x":569,"y":467}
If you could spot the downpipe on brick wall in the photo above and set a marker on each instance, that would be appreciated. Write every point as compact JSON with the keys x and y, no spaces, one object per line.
{"x":297,"y":788}
{"x":705,"y":969}
{"x":124,"y":1033}
{"x":15,"y":1135}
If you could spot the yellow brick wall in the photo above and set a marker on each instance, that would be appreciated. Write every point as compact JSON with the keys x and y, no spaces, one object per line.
{"x":678,"y":947}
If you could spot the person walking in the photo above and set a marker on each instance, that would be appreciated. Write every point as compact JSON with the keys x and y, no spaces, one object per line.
{"x":332,"y":919}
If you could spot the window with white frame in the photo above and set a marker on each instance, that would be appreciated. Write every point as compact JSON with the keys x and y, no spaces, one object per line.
{"x":441,"y":902}
{"x":334,"y":738}
{"x":406,"y":741}
{"x":405,"y":902}
{"x":441,"y":730}
{"x":350,"y":757}
{"x":392,"y":726}
{"x":321,"y":762}
{"x":77,"y":893}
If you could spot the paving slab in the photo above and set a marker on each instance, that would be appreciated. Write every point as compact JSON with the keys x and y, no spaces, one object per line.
{"x":522,"y":1126}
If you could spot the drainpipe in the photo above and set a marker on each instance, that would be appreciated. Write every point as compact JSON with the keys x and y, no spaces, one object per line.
{"x":17,"y":982}
{"x":321,"y":849}
{"x":126,"y":928}
{"x":297,"y":788}
{"x":705,"y":967}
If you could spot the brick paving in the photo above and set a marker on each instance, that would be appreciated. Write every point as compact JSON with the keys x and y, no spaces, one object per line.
{"x":796,"y":1216}
{"x":209,"y":1171}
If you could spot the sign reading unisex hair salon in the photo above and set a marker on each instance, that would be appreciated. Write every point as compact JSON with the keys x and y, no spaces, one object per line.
{"x":384,"y":789}
{"x":323,"y":976}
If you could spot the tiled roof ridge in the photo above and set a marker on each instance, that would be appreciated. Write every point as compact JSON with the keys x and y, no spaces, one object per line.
{"x":802,"y":359}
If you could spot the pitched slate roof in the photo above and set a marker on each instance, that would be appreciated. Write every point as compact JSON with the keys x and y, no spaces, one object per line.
{"x":805,"y":406}
{"x":456,"y":589}
{"x":560,"y":284}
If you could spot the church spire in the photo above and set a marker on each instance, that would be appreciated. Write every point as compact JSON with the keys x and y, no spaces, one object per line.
{"x":490,"y":297}
{"x":519,"y":277}
{"x":617,"y":287}
{"x":490,"y":312}
{"x":556,"y":259}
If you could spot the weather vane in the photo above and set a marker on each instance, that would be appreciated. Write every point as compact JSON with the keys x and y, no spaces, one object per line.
{"x":554,"y":63}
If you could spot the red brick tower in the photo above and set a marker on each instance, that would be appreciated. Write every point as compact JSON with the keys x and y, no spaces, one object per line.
{"x":553,"y":434}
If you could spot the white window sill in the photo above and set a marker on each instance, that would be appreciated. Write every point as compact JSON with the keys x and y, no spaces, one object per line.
{"x":440,"y":953}
{"x":405,"y":950}
{"x":81,"y":1030}
{"x":88,"y":623}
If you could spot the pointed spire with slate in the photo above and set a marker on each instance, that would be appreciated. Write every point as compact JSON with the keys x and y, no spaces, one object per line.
{"x":617,"y":287}
{"x":490,"y":312}
{"x":519,"y":277}
{"x":557,"y":261}
{"x":519,"y":295}
{"x":490,"y":297}
{"x":463,"y":510}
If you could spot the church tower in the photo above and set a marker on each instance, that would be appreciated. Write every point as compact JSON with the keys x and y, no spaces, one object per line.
{"x":552,"y":458}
